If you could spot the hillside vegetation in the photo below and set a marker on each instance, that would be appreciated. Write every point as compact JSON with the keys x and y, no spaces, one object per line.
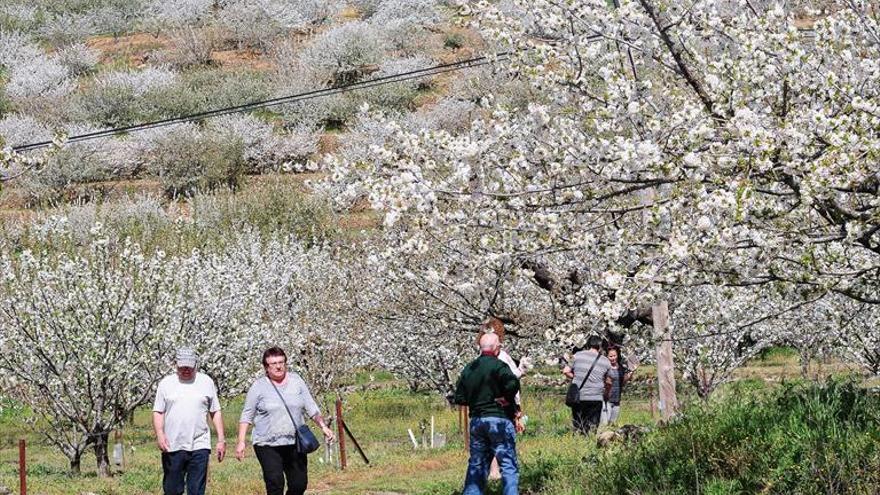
{"x":78,"y":66}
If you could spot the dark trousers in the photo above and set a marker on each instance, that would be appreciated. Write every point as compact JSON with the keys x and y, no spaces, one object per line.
{"x":184,"y":469}
{"x":585,"y":415}
{"x":283,"y":462}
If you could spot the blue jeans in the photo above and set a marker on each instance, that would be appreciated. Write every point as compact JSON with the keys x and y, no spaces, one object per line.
{"x":492,"y":437}
{"x":182,"y":468}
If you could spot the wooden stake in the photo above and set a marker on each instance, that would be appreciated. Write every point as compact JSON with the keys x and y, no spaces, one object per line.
{"x":356,"y":444}
{"x":665,"y":367}
{"x":341,"y":435}
{"x":668,"y":404}
{"x":22,"y":466}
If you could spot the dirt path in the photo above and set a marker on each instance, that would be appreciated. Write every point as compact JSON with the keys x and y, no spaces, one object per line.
{"x":411,"y":471}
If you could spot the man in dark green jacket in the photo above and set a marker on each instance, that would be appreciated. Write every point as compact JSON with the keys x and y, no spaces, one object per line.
{"x":488,"y":387}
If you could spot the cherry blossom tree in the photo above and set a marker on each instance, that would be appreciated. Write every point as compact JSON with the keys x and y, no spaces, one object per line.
{"x":855,"y":336}
{"x":185,"y":13}
{"x":260,"y":292}
{"x":255,"y":24}
{"x":87,"y":330}
{"x":719,"y":329}
{"x":16,"y":130}
{"x":82,"y":339}
{"x":30,"y":72}
{"x":669,"y":146}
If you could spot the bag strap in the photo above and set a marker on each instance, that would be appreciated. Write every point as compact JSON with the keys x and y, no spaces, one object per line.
{"x":589,"y":372}
{"x":286,"y":408}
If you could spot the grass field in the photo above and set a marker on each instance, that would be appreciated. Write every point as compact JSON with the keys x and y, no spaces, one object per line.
{"x":378,"y":417}
{"x":379,"y":412}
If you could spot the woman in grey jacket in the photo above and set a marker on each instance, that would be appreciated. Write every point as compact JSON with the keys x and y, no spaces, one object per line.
{"x":274,"y":436}
{"x":589,"y":371}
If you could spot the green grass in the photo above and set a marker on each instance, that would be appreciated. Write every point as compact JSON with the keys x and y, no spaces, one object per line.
{"x":270,"y":207}
{"x":751,"y":437}
{"x":777,"y":354}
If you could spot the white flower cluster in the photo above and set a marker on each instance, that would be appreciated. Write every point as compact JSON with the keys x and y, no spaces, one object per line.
{"x":402,"y":23}
{"x":344,"y":48}
{"x":266,"y":150}
{"x":137,"y":83}
{"x":22,"y":129}
{"x":86,"y":337}
{"x":254,"y":23}
{"x":653,"y":161}
{"x":182,"y":13}
{"x":30,"y":71}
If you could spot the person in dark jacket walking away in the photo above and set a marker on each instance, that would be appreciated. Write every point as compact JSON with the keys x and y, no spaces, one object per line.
{"x":487,"y":386}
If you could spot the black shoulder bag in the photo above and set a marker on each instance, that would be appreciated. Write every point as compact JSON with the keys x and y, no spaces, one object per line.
{"x":306,"y":442}
{"x":573,"y":394}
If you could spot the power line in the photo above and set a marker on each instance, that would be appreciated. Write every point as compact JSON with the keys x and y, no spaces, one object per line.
{"x":308,"y":95}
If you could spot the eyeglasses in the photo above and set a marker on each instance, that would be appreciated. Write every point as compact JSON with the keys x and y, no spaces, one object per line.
{"x":276,"y":363}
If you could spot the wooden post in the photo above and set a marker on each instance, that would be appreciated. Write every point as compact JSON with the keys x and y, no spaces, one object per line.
{"x":341,"y":435}
{"x":665,"y":369}
{"x":667,"y":402}
{"x":22,"y":466}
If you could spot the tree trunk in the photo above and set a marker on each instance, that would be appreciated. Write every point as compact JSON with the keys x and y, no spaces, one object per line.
{"x":75,"y":463}
{"x":704,"y":384}
{"x":805,"y":364}
{"x":101,"y":439}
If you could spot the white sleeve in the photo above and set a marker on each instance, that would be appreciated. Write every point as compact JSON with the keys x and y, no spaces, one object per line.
{"x":159,"y":402}
{"x":250,"y":404}
{"x":214,"y":406}
{"x":504,"y":356}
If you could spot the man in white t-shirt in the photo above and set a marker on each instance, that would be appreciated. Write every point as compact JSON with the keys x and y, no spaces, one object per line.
{"x":183,"y":403}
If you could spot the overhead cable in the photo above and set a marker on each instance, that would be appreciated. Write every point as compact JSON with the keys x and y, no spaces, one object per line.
{"x":308,"y":95}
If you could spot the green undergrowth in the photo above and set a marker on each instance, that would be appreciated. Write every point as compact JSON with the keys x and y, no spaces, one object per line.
{"x":800,"y":438}
{"x":777,"y":353}
{"x":797,"y":437}
{"x":208,"y":222}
